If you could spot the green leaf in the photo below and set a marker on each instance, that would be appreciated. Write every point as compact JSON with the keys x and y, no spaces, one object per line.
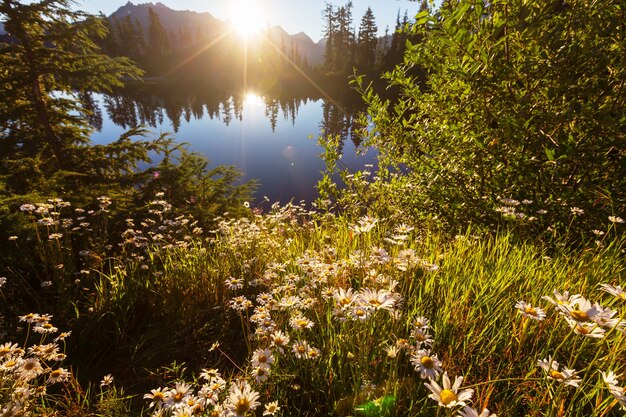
{"x":378,"y":407}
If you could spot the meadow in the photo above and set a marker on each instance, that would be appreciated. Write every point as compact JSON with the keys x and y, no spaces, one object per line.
{"x":477,"y":270}
{"x":306,"y":312}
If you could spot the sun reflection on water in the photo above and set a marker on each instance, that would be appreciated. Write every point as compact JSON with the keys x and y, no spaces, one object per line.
{"x":251,"y":98}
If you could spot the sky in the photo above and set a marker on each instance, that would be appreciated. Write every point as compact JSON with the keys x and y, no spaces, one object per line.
{"x":293,"y":15}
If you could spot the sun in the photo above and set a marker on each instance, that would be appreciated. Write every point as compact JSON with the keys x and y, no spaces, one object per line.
{"x":246,"y":18}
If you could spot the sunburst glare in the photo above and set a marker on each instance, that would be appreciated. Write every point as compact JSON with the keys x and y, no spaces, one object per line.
{"x":252,"y":99}
{"x":247,"y":18}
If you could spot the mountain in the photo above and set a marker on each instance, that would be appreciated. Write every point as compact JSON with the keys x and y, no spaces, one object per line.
{"x":300,"y":42}
{"x":187,"y":28}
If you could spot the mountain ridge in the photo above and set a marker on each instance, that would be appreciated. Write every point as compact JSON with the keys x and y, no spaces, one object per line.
{"x":192,"y":26}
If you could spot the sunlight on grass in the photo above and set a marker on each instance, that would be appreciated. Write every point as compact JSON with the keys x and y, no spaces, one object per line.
{"x":303,"y":312}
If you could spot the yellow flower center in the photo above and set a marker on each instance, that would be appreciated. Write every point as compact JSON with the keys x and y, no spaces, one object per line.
{"x":374,"y":302}
{"x":260,"y":371}
{"x":556,"y":375}
{"x":158,"y":396}
{"x":622,"y":296}
{"x":262,"y":358}
{"x":4,"y":351}
{"x":582,"y":329}
{"x":447,"y":396}
{"x":29,"y":366}
{"x":359,"y":313}
{"x":579,"y":315}
{"x":242,"y":406}
{"x":55,"y":374}
{"x":46,"y":326}
{"x":531,"y":311}
{"x":10,"y":364}
{"x":427,"y":362}
{"x":312,"y":353}
{"x":420,"y":337}
{"x":302,"y":323}
{"x":344,"y":301}
{"x":178,"y":397}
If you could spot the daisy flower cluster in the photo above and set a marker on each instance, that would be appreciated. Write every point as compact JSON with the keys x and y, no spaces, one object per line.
{"x":447,"y":394}
{"x":585,"y":318}
{"x":26,"y":373}
{"x":62,"y":232}
{"x":213,"y":396}
{"x":284,"y":316}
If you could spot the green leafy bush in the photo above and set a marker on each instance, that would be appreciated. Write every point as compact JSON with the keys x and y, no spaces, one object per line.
{"x":520,"y":116}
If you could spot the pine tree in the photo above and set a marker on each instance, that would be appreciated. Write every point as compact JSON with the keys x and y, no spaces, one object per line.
{"x":50,"y":61}
{"x":329,"y":30}
{"x":158,"y":42}
{"x":344,"y":39}
{"x":367,"y":41}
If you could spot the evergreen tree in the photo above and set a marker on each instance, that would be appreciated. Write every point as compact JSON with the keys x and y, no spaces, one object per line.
{"x":395,"y":53}
{"x":158,"y":42}
{"x":344,"y":38}
{"x":367,"y":41}
{"x":329,"y":30}
{"x":50,"y":61}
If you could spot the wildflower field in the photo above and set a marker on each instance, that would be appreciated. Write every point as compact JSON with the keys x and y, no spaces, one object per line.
{"x":477,"y":270}
{"x":305,"y":312}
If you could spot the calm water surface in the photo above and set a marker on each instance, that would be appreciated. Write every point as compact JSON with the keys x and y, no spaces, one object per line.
{"x":272,"y":141}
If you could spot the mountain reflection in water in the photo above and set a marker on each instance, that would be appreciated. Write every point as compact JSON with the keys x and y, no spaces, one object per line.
{"x":269,"y":138}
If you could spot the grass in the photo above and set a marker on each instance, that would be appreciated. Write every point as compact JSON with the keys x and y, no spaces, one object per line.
{"x":162,"y":295}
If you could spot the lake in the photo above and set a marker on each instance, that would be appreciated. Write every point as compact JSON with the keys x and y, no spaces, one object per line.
{"x":272,"y":140}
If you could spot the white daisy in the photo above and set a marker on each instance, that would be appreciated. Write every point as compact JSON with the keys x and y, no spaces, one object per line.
{"x":615,"y":290}
{"x":561,"y":298}
{"x":300,"y":322}
{"x":427,"y":364}
{"x":377,"y":299}
{"x":565,"y":376}
{"x":262,"y":358}
{"x":301,"y":349}
{"x":241,"y":399}
{"x":177,"y":397}
{"x":279,"y":340}
{"x":472,"y":412}
{"x":29,"y":368}
{"x":260,"y":374}
{"x":449,"y":396}
{"x":527,"y":310}
{"x":157,"y":396}
{"x":271,"y":408}
{"x":423,"y":337}
{"x":580,"y":310}
{"x":58,"y":375}
{"x":587,"y":329}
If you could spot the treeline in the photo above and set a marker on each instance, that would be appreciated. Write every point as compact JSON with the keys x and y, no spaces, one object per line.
{"x":349,"y":48}
{"x":213,"y":55}
{"x":150,"y":104}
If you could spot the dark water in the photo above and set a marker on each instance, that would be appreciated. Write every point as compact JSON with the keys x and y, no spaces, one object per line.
{"x":273,"y":140}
